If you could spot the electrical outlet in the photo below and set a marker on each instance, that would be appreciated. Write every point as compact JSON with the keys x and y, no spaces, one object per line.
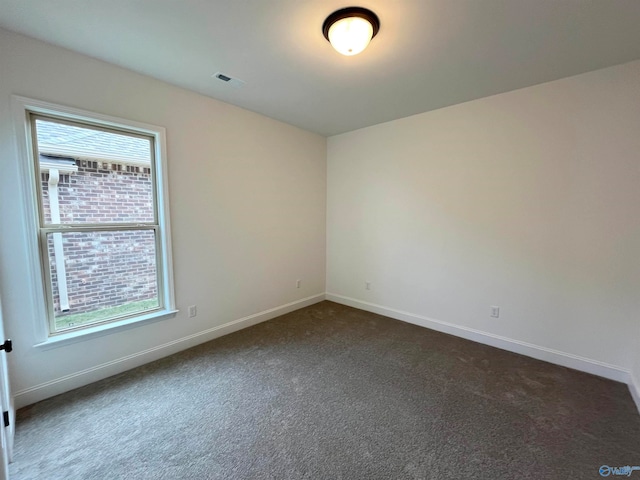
{"x":495,"y":312}
{"x":298,"y":283}
{"x":193,"y":310}
{"x":367,"y":285}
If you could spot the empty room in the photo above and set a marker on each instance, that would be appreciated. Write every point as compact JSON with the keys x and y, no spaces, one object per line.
{"x":284,"y":239}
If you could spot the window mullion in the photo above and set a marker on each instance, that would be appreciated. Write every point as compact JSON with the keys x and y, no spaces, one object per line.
{"x":97,"y":227}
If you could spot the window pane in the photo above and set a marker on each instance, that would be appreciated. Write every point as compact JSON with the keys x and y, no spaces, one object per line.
{"x":98,"y":276}
{"x":93,"y":176}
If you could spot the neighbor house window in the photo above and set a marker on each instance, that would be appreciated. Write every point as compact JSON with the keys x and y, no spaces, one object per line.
{"x":102,"y":227}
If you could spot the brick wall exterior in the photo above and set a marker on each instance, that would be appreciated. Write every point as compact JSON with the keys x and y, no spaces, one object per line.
{"x":104,"y":269}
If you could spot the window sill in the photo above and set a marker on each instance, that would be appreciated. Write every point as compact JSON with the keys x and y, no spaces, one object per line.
{"x":63,"y":339}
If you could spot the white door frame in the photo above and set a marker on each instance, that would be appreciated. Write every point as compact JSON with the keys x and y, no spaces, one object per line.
{"x":6,"y":401}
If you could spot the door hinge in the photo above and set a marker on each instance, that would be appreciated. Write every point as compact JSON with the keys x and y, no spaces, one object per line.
{"x":5,"y":418}
{"x":7,"y":346}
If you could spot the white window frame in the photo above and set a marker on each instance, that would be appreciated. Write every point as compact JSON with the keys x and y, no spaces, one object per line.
{"x":23,"y":108}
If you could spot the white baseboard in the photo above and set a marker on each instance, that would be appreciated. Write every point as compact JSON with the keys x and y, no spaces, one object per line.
{"x":99,"y":372}
{"x":557,"y":357}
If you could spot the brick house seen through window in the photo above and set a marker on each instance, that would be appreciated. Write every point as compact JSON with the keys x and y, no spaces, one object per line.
{"x":98,"y":218}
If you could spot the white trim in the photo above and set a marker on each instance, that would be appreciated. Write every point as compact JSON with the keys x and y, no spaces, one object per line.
{"x":634,"y":388}
{"x":63,"y":384}
{"x":26,"y":167}
{"x":62,"y":339}
{"x":47,"y":165}
{"x":70,"y":113}
{"x":161,"y":172}
{"x":557,"y":357}
{"x":22,"y":107}
{"x":84,"y":155}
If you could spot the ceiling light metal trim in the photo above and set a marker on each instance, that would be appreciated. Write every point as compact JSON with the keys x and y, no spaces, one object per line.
{"x":348,"y":12}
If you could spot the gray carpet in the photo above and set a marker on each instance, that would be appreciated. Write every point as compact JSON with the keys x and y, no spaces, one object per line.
{"x":331,"y":392}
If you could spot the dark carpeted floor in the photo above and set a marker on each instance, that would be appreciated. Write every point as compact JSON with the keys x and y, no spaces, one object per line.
{"x":331,"y":392}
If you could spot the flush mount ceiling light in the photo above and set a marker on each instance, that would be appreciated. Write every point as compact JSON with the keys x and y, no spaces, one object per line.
{"x":350,"y":30}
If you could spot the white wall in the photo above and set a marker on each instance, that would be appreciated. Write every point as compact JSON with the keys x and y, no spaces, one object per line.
{"x":527,"y":200}
{"x":248,"y":203}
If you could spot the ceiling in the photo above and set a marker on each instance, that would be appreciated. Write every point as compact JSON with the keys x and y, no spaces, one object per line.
{"x":427,"y":55}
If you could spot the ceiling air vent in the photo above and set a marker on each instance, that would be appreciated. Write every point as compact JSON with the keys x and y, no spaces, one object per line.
{"x":234,"y":82}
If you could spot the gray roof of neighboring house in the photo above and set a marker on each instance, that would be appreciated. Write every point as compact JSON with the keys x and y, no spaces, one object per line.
{"x":68,"y":140}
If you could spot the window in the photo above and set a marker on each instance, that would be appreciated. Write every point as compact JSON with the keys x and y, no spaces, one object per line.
{"x":101,"y":213}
